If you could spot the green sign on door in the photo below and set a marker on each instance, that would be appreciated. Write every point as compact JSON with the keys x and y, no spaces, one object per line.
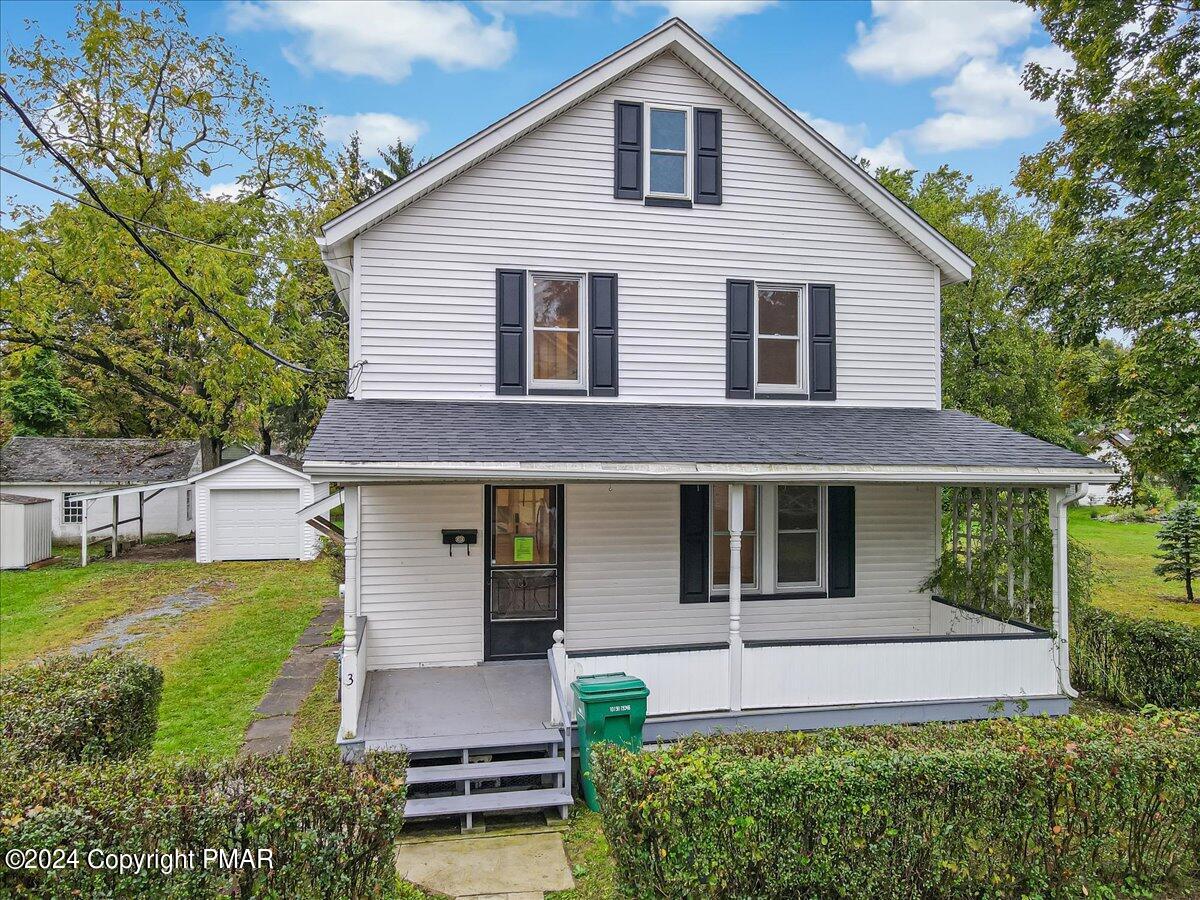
{"x":522,"y":549}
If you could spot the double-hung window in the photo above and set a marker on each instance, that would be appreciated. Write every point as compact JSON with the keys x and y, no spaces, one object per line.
{"x":799,"y":539}
{"x":668,"y":173}
{"x":72,"y":509}
{"x":720,"y":537}
{"x":781,"y":335}
{"x":557,"y":316}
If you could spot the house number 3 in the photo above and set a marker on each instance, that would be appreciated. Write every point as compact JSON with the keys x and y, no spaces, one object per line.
{"x":349,"y":678}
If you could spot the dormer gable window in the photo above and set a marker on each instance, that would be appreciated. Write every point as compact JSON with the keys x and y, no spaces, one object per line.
{"x":668,"y":168}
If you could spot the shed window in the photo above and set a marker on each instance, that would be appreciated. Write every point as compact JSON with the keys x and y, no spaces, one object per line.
{"x":720,"y":537}
{"x":781,"y":331}
{"x":187,"y":499}
{"x":558,"y":309}
{"x":72,"y":510}
{"x":668,"y":172}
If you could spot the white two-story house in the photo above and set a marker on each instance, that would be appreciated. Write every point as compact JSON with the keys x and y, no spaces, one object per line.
{"x":648,"y":381}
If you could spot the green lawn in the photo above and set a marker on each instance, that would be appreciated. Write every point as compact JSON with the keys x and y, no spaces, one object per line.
{"x":1124,"y":555}
{"x":217,"y":661}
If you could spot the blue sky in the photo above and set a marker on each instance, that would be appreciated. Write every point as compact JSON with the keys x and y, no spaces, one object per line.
{"x":917,"y":83}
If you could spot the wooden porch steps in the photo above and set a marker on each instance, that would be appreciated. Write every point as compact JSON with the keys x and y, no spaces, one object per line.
{"x":534,"y":737}
{"x":480,"y":771}
{"x":465,"y":804}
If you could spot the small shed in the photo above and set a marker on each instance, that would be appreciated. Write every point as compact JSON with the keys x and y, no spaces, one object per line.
{"x":25,"y":528}
{"x":247,"y":509}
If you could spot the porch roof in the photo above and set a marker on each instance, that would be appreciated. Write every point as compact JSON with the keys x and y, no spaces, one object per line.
{"x":480,"y":439}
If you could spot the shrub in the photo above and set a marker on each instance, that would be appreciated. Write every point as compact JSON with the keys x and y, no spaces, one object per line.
{"x":1032,"y":807}
{"x":79,"y":708}
{"x":1135,"y":661}
{"x":330,"y":826}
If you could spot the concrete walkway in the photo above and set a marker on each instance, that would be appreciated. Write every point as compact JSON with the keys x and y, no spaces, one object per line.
{"x":512,"y":866}
{"x":271,"y":733}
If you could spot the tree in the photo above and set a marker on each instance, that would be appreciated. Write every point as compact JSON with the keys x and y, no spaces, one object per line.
{"x":148,"y":111}
{"x":34,"y":397}
{"x":1179,"y":546}
{"x":1120,"y":191}
{"x":996,"y":363}
{"x":398,"y":162}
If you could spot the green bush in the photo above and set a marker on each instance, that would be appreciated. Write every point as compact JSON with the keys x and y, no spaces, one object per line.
{"x":330,"y":826}
{"x":1026,"y":807}
{"x":1135,"y":661}
{"x":79,"y":708}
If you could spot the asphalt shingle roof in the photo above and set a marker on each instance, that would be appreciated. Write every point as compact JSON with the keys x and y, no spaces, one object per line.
{"x":370,"y":431}
{"x":96,"y":460}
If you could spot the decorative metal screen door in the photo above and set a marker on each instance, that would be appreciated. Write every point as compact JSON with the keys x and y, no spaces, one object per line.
{"x":523,"y":568}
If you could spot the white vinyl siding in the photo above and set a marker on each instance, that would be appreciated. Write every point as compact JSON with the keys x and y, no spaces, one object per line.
{"x":423,"y":606}
{"x":426,"y":275}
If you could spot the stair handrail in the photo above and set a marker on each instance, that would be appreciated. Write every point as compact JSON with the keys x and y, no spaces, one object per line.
{"x":563,"y":707}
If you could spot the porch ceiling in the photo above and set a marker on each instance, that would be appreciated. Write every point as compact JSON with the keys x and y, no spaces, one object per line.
{"x":421,"y":439}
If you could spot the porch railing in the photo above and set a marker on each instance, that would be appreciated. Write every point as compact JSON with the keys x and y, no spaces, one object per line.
{"x":966,"y":655}
{"x":561,"y":713}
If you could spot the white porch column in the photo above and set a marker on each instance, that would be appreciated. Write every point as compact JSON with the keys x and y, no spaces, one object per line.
{"x":1059,"y":500}
{"x":351,"y":670}
{"x":116,"y":514}
{"x":560,"y":666}
{"x":736,"y":505}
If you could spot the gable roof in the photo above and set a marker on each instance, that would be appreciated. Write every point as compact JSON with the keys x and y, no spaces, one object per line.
{"x":275,"y":460}
{"x":59,"y":460}
{"x":673,"y":36}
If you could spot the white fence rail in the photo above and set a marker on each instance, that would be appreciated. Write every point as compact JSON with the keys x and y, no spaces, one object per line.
{"x":946,"y":618}
{"x":680,"y":681}
{"x":835,"y":674}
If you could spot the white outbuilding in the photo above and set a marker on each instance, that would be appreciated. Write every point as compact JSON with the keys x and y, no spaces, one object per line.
{"x":246,"y":509}
{"x":25,"y":530}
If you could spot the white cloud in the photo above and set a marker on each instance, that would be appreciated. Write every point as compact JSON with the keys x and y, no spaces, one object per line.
{"x":374,"y":129}
{"x":562,"y":9}
{"x":380,"y":39}
{"x":851,"y":139}
{"x":703,"y":15}
{"x":986,"y":104}
{"x":223,"y":190}
{"x":909,"y":39}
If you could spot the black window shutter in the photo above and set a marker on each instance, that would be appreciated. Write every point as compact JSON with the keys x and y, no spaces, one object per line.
{"x":627,"y":155}
{"x":822,"y":354}
{"x":510,"y":331}
{"x":739,"y":337}
{"x":602,"y":295}
{"x":693,"y":543}
{"x":841,"y":541}
{"x":708,"y":156}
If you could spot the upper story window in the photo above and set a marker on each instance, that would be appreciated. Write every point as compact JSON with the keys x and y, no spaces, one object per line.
{"x":669,"y":143}
{"x":557,"y":313}
{"x":781,"y":336}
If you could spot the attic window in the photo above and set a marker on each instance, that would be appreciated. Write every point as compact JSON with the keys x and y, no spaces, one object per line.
{"x":667,"y":163}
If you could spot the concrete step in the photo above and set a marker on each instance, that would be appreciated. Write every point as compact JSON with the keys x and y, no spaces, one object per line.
{"x":493,"y":802}
{"x":535,"y":737}
{"x":477,"y":771}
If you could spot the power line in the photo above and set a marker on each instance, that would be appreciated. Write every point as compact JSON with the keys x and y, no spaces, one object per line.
{"x":167,"y":231}
{"x":151,"y":252}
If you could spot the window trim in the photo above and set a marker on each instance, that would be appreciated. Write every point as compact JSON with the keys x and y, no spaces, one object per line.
{"x":799,"y":391}
{"x":688,"y":153}
{"x":187,"y":499}
{"x":822,"y":532}
{"x":67,"y":497}
{"x":754,"y":586}
{"x":578,"y":387}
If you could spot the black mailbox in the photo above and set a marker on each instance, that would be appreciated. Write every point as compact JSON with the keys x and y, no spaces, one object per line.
{"x":462,"y":537}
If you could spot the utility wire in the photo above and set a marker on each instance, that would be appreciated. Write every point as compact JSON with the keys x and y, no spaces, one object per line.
{"x":150,"y":251}
{"x":160,"y":230}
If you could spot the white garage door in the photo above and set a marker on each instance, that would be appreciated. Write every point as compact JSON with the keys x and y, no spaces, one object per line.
{"x":254,"y":524}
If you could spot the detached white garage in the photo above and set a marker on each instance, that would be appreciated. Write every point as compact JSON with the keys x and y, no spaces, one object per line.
{"x":246,"y":509}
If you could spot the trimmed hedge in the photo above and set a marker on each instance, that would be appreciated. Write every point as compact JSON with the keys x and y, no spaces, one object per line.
{"x":1026,"y":807}
{"x":331,"y":826}
{"x":1135,"y":662}
{"x":79,"y":708}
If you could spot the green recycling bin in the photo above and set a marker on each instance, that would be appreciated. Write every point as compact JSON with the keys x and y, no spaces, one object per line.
{"x":607,"y":708}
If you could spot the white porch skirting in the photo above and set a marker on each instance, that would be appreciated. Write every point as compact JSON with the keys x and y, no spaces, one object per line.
{"x":680,"y":681}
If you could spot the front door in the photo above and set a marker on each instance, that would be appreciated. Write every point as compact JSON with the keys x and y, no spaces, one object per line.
{"x":523,"y":570}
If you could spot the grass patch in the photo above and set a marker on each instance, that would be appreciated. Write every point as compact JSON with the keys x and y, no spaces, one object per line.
{"x":591,"y":862}
{"x":316,"y":723}
{"x":217,"y":661}
{"x":1126,"y":582}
